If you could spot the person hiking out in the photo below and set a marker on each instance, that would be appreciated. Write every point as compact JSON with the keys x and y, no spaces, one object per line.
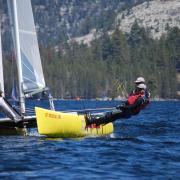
{"x":136,"y":101}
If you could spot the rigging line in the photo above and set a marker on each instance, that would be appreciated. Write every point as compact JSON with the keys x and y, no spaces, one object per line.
{"x":86,"y":110}
{"x":30,"y":80}
{"x":31,"y":71}
{"x":12,"y":69}
{"x":83,"y":107}
{"x":28,"y":67}
{"x":13,"y":83}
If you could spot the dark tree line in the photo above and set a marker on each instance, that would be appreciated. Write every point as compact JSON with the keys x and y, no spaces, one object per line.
{"x":110,"y":65}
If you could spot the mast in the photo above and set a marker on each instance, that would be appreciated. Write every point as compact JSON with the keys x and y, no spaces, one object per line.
{"x":18,"y":55}
{"x":1,"y":67}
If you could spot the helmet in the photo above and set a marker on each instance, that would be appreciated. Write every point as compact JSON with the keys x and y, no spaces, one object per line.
{"x":141,"y":86}
{"x":139,"y":80}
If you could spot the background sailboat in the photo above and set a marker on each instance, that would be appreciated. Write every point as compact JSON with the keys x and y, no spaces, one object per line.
{"x":29,"y":67}
{"x":30,"y":73}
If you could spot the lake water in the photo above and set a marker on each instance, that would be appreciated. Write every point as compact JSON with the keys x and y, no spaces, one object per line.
{"x":144,"y":147}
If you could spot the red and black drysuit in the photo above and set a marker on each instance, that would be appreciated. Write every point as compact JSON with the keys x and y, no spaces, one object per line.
{"x":134,"y":104}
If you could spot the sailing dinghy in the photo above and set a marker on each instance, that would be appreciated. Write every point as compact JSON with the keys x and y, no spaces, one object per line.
{"x":67,"y":125}
{"x":31,"y":81}
{"x":30,"y":73}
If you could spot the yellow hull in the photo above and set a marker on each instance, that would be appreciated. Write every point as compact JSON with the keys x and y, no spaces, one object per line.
{"x":67,"y":125}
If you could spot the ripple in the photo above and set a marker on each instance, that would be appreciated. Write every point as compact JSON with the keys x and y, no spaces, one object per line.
{"x":145,"y":146}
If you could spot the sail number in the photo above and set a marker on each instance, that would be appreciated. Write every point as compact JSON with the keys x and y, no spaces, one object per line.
{"x":54,"y":116}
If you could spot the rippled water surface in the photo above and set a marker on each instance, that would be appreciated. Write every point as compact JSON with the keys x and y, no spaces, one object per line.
{"x":144,"y":147}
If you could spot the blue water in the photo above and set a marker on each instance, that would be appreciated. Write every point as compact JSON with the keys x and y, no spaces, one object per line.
{"x":144,"y":147}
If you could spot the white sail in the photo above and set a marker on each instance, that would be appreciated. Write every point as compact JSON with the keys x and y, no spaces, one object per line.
{"x":1,"y":66}
{"x":31,"y":74}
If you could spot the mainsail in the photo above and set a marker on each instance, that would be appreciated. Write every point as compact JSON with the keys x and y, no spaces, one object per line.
{"x":1,"y":67}
{"x":31,"y":74}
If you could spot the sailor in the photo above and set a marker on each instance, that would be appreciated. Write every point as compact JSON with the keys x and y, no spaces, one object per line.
{"x":137,"y":100}
{"x":8,"y":109}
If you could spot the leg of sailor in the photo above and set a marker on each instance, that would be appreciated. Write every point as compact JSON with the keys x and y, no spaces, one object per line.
{"x":106,"y":118}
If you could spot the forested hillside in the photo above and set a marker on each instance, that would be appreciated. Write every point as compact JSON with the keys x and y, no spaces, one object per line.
{"x":60,"y":20}
{"x":111,"y":62}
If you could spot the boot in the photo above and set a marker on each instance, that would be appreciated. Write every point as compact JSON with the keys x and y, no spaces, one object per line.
{"x":98,"y":119}
{"x":104,"y":118}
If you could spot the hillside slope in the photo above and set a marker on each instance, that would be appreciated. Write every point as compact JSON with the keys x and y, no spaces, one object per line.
{"x":157,"y":16}
{"x":60,"y":20}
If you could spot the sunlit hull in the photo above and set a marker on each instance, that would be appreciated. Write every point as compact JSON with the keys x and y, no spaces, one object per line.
{"x":67,"y":125}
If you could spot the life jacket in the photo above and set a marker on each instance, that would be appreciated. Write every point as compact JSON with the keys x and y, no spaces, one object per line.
{"x":134,"y":97}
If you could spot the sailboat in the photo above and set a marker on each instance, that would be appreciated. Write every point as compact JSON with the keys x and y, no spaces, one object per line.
{"x":31,"y":81}
{"x":29,"y":68}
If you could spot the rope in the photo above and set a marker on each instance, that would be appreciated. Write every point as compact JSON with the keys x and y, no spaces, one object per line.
{"x":86,"y":110}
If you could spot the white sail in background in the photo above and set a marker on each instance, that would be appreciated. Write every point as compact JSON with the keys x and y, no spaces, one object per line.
{"x":30,"y":68}
{"x":1,"y":66}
